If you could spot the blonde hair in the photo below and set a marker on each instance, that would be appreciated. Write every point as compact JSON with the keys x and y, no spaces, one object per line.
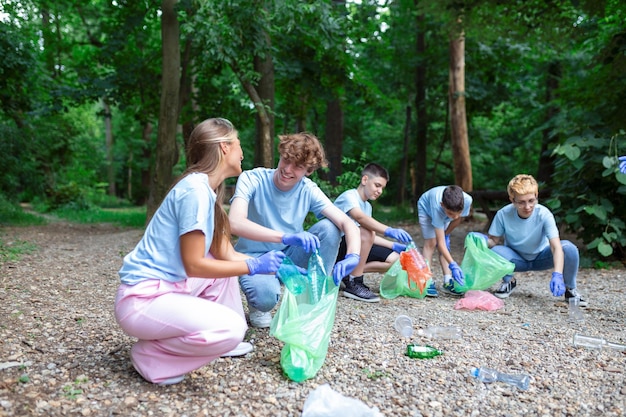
{"x":204,"y":155}
{"x":522,"y":184}
{"x":302,"y":149}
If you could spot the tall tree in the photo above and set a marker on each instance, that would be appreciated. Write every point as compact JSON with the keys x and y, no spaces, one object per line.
{"x":167,"y":151}
{"x":456,"y":102}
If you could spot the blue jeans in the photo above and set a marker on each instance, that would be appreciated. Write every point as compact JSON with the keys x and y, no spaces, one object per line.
{"x":263,"y":291}
{"x":543,"y":261}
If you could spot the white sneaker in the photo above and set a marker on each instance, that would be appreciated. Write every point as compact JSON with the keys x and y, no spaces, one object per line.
{"x":171,"y":381}
{"x":241,"y":349}
{"x":261,"y":319}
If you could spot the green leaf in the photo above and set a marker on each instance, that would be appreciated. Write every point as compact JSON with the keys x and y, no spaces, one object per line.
{"x":621,"y":178}
{"x":605,"y":249}
{"x":608,"y":161}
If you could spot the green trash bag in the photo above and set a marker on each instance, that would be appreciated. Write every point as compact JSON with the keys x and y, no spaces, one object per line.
{"x":304,"y":321}
{"x":396,"y":282}
{"x":481,"y":266}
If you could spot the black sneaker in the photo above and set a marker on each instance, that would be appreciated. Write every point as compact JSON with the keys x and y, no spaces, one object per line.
{"x":449,"y":289}
{"x":505,"y":289}
{"x":357,"y":290}
{"x":573,"y":293}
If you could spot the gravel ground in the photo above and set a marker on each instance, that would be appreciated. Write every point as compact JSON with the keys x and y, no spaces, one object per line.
{"x":62,"y":354}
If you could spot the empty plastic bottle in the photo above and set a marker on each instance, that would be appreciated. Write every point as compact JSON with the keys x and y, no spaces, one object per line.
{"x":440,"y":332}
{"x":488,"y":375}
{"x":591,"y":342}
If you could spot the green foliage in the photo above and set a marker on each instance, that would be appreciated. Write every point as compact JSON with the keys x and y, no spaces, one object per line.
{"x":591,"y":192}
{"x":11,"y":214}
{"x":125,"y":217}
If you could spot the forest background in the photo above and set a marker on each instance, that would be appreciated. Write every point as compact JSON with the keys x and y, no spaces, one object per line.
{"x":97,"y":98}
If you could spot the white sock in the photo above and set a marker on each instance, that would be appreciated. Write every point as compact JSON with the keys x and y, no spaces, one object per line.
{"x":447,"y":279}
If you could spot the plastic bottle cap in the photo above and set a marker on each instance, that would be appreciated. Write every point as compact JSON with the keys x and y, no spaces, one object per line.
{"x":474,"y":372}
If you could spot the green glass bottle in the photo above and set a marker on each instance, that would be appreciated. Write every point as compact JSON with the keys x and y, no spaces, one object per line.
{"x":422,"y":352}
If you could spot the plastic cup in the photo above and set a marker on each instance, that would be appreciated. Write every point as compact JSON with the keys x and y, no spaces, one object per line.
{"x":575,"y":315}
{"x":404,"y":325}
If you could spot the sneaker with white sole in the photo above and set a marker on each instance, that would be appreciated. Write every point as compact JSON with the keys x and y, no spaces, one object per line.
{"x":171,"y":381}
{"x":241,"y":349}
{"x":573,"y":293}
{"x":260,"y":319}
{"x":357,"y":290}
{"x":505,"y":289}
{"x":431,"y":290}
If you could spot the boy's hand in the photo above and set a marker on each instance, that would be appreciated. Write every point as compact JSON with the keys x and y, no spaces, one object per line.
{"x":308,"y":241}
{"x":398,"y":234}
{"x":457,"y":273}
{"x":557,"y":286}
{"x":343,"y":268}
{"x":398,"y":247}
{"x":265,"y":264}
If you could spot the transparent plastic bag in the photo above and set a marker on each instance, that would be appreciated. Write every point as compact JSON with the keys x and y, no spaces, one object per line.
{"x":304,"y":321}
{"x":481,"y":266}
{"x":409,"y":275}
{"x":325,"y":402}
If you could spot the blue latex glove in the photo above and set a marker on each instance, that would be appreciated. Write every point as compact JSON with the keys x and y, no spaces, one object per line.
{"x":478,"y":234}
{"x":457,"y":273}
{"x":557,"y":286}
{"x":343,"y":268}
{"x":306,"y":240}
{"x":398,"y":247}
{"x":448,"y":242}
{"x":622,"y":164}
{"x":265,"y":264}
{"x":398,"y":234}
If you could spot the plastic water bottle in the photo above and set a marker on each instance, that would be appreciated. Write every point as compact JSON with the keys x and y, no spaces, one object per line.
{"x":488,"y":375}
{"x":440,"y":332}
{"x":591,"y":342}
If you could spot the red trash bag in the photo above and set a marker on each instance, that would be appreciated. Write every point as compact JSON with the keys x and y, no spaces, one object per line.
{"x":479,"y":300}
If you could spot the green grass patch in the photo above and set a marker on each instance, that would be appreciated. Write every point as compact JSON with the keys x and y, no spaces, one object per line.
{"x":11,"y":251}
{"x":11,"y":214}
{"x":125,"y":217}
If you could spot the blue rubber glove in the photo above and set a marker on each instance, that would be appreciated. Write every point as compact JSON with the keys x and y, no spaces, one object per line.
{"x":622,"y":164}
{"x":398,"y":234}
{"x":457,"y":273}
{"x":478,"y":234}
{"x":557,"y":286}
{"x":306,"y":240}
{"x":448,"y":242}
{"x":265,"y":264}
{"x":398,"y":247}
{"x":343,"y":268}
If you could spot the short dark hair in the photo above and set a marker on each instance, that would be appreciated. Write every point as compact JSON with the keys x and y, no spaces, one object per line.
{"x":374,"y":170}
{"x":453,"y":198}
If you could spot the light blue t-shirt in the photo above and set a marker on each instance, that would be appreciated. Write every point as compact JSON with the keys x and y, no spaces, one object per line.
{"x":284,"y":211}
{"x":528,"y":237}
{"x":351,"y":199}
{"x":429,"y":204}
{"x":189,"y":206}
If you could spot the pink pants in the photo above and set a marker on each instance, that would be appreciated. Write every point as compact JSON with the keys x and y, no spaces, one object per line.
{"x":180,"y":326}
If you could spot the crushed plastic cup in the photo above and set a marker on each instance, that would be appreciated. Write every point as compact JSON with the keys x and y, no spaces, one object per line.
{"x":404,"y":325}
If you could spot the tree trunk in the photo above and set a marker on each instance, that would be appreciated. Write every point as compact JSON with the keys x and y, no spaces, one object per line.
{"x":545,"y":170}
{"x":404,"y":164}
{"x":264,"y":144}
{"x":422,"y":115}
{"x":334,"y":139}
{"x":108,"y":133}
{"x":456,"y":103}
{"x":166,"y":150}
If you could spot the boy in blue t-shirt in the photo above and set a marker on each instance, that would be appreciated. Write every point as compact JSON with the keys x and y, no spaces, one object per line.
{"x":377,"y":253}
{"x":268,"y":211}
{"x":440,"y":210}
{"x":525,"y":233}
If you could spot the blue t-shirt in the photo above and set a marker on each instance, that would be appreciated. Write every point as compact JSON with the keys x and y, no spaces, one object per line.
{"x":284,"y":211}
{"x":429,"y":204}
{"x":528,"y":237}
{"x":189,"y":206}
{"x":351,"y":199}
